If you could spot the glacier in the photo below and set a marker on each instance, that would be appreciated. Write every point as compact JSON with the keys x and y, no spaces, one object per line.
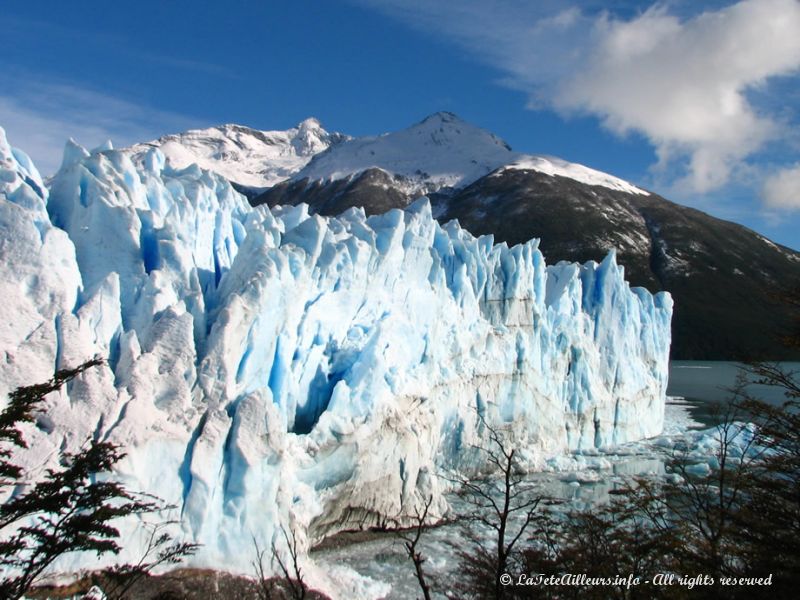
{"x":274,"y":368}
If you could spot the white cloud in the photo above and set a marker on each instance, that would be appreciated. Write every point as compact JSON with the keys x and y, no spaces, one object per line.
{"x":684,"y":84}
{"x":782,"y":189}
{"x":681,"y":82}
{"x":40,"y":117}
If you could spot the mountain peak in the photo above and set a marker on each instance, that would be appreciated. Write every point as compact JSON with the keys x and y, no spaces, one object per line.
{"x":311,"y":123}
{"x":448,"y":122}
{"x":311,"y":138}
{"x":442,"y":116}
{"x":250,"y":157}
{"x":441,"y":151}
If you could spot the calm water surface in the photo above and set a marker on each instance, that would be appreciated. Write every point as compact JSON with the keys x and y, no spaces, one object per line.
{"x":704,"y":383}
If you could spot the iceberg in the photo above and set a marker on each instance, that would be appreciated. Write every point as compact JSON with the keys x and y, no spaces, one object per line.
{"x":272,"y":369}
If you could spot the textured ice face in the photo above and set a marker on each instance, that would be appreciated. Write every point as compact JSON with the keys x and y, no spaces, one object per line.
{"x":278,"y":368}
{"x":39,"y":278}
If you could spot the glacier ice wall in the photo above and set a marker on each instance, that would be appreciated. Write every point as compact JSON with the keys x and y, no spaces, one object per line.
{"x":275,"y":368}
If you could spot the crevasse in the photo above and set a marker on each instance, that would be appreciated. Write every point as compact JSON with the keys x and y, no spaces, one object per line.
{"x":276,"y":368}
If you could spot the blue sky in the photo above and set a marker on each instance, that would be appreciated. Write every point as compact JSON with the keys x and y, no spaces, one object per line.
{"x":695,"y":100}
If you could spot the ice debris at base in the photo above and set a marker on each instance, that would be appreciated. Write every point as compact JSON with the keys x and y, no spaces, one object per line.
{"x":701,"y":450}
{"x":271,"y":369}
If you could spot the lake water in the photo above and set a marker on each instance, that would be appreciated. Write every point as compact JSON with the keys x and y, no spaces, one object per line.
{"x":704,"y":383}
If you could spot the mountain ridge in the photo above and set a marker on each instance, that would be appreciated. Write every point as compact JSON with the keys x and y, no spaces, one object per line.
{"x":441,"y":152}
{"x":248,"y":157}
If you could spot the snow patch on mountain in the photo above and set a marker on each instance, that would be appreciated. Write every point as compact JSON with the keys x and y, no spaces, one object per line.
{"x":556,"y":166}
{"x":249,"y":157}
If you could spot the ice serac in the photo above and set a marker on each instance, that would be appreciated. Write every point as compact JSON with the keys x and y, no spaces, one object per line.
{"x":277,"y":368}
{"x":39,"y":279}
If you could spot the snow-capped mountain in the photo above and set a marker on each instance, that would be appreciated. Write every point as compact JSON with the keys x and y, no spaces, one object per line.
{"x":248,"y":157}
{"x":272,"y":368}
{"x":440,"y":152}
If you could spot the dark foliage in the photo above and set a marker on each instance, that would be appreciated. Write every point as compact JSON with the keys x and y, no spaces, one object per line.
{"x":604,"y":543}
{"x":23,"y":405}
{"x":292,"y":585}
{"x":71,"y":509}
{"x":741,"y":519}
{"x":118,"y":581}
{"x":502,"y":510}
{"x":411,"y":542}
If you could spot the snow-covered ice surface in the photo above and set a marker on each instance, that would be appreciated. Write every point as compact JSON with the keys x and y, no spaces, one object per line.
{"x":270,"y":369}
{"x":442,"y":151}
{"x":251,"y":157}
